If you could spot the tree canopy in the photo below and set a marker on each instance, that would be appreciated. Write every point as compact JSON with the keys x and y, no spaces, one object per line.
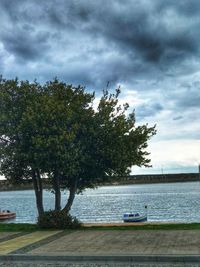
{"x":54,"y":131}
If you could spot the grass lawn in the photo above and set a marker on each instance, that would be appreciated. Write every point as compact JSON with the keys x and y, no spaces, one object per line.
{"x":18,"y":227}
{"x":162,"y":226}
{"x":171,"y":226}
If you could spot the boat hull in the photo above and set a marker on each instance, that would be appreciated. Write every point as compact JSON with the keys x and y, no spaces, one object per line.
{"x":7,"y":215}
{"x":135,"y":220}
{"x":130,"y":217}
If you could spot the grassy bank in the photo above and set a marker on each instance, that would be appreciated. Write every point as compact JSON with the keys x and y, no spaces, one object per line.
{"x":16,"y":227}
{"x":171,"y":226}
{"x":162,"y":226}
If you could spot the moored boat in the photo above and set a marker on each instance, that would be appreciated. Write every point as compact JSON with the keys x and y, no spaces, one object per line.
{"x":134,"y":217}
{"x":7,"y":214}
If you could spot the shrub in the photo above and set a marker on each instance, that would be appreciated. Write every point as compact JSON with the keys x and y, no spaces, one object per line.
{"x":57,"y":220}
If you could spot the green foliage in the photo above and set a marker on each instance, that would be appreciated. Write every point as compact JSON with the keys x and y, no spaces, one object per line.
{"x":57,"y":220}
{"x":40,"y":127}
{"x":53,"y":131}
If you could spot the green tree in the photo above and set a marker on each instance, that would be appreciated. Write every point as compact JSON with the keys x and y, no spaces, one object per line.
{"x":54,"y":132}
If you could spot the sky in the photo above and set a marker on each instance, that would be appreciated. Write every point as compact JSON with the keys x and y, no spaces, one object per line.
{"x":150,"y":48}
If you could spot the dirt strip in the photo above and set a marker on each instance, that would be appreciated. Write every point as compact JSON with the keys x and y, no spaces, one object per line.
{"x":126,"y":224}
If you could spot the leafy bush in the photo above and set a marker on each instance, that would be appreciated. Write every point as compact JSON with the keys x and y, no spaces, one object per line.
{"x":57,"y":220}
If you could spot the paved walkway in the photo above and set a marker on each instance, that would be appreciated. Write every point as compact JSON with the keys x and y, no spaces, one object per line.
{"x":176,"y":246}
{"x":23,"y":241}
{"x":116,"y":242}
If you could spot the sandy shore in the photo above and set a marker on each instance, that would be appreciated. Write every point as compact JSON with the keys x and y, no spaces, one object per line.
{"x":126,"y":224}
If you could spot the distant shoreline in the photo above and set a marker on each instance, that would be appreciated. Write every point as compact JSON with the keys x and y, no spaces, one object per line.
{"x":129,"y":180}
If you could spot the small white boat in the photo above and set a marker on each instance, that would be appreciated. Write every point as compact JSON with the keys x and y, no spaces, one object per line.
{"x":6,"y":214}
{"x":135,"y":217}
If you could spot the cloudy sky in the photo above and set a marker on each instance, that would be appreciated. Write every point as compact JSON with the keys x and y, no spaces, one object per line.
{"x":149,"y":47}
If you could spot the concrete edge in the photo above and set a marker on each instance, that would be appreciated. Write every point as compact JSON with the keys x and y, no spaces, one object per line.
{"x":103,"y":258}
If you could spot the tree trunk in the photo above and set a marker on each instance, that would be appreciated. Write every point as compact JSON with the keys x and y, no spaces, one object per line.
{"x":72,"y":192}
{"x":37,"y":183}
{"x":56,"y":186}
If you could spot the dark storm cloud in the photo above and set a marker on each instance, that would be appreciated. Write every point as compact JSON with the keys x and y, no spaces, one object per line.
{"x":18,"y":33}
{"x":132,"y":27}
{"x":148,"y":110}
{"x":186,"y":96}
{"x":25,"y":45}
{"x":93,"y":42}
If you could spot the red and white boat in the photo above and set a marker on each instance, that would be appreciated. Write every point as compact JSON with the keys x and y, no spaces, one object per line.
{"x":7,"y":214}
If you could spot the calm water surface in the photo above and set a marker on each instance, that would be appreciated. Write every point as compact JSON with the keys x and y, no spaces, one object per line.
{"x":178,"y":202}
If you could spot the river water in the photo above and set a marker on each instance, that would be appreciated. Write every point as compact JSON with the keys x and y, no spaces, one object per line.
{"x":171,"y":202}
